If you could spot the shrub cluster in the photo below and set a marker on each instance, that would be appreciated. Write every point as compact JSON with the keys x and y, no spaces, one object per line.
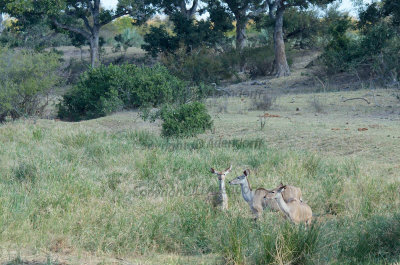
{"x":26,"y":79}
{"x":372,"y":51}
{"x":106,"y":89}
{"x":185,"y":120}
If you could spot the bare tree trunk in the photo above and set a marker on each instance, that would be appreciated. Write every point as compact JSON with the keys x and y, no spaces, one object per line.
{"x":281,"y":66}
{"x":94,"y":49}
{"x":189,"y":13}
{"x":240,"y":33}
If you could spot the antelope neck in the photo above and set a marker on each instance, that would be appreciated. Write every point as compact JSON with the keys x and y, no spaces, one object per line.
{"x":246,"y":191}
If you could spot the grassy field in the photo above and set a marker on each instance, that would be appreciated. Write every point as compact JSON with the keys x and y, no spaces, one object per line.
{"x":111,"y":191}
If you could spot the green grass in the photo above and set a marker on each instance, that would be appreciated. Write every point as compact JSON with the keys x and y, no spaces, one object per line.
{"x":112,"y":188}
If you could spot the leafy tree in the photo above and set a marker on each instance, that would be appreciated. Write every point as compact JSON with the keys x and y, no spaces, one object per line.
{"x":189,"y":32}
{"x":84,"y":17}
{"x":276,"y":10}
{"x":170,"y":7}
{"x":243,"y":11}
{"x":26,"y":80}
{"x":303,"y":26}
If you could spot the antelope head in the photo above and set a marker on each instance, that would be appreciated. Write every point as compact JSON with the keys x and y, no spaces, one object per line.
{"x":221,"y":174}
{"x":275,"y":193}
{"x":242,"y":179}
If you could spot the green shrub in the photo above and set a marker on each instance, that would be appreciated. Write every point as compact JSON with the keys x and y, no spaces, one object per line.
{"x":201,"y":65}
{"x":26,"y":79}
{"x":106,"y":89}
{"x":185,"y":120}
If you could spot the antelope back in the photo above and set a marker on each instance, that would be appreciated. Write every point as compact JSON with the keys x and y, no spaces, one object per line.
{"x":300,"y":212}
{"x":291,"y":192}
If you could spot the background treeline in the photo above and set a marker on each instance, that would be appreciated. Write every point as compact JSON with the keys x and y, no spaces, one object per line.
{"x":189,"y":47}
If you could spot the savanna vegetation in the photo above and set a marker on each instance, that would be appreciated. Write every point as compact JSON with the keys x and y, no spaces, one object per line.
{"x":110,"y":120}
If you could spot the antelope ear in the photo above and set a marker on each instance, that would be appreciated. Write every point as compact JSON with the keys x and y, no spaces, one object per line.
{"x":282,"y":188}
{"x":229,"y":169}
{"x":246,"y":172}
{"x":212,"y":170}
{"x":281,"y":184}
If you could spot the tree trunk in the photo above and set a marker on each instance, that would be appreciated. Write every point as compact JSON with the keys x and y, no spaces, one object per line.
{"x":1,"y":23}
{"x":281,"y":66}
{"x":94,"y":49}
{"x":240,"y":33}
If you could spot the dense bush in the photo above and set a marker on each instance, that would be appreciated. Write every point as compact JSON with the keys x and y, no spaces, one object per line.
{"x":191,"y":33}
{"x":202,"y":65}
{"x":371,"y":51}
{"x":26,"y":79}
{"x":185,"y":120}
{"x":106,"y":89}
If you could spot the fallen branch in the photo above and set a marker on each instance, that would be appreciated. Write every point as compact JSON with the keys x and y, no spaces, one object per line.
{"x":366,"y":100}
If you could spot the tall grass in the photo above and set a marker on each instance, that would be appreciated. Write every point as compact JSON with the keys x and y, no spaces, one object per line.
{"x":136,"y":193}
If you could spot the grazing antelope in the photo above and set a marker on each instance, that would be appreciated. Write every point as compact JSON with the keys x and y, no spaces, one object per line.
{"x":260,"y":198}
{"x":296,"y":210}
{"x":222,"y":196}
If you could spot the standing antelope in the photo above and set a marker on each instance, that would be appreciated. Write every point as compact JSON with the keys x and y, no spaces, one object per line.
{"x":260,"y":198}
{"x":222,"y":196}
{"x":296,"y":210}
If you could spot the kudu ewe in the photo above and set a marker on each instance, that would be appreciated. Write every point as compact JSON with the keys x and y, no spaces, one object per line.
{"x":296,"y":210}
{"x":222,"y":198}
{"x":260,"y":198}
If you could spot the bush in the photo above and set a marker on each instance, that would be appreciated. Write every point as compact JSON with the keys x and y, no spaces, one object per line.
{"x":106,"y":89}
{"x":263,"y":102}
{"x":185,"y":120}
{"x":26,"y":79}
{"x":202,"y":65}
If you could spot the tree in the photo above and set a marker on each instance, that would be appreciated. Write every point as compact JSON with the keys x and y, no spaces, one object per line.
{"x":276,"y":9}
{"x":170,"y":7}
{"x":243,"y":11}
{"x":85,"y":17}
{"x":188,"y":31}
{"x":1,"y":23}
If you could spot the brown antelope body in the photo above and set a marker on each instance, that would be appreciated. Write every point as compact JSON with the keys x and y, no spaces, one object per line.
{"x":296,"y":210}
{"x":261,"y":198}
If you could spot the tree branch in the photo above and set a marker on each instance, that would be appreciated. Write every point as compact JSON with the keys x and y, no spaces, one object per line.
{"x":260,"y":10}
{"x":82,"y":16}
{"x":193,"y":9}
{"x":125,"y":12}
{"x":71,"y":28}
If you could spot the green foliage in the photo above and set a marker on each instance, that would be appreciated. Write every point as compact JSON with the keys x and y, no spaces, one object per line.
{"x":26,"y":79}
{"x":106,"y":89}
{"x":128,"y":38}
{"x":37,"y":36}
{"x":158,"y":40}
{"x":185,"y":120}
{"x":188,"y":33}
{"x":203,"y":65}
{"x":371,"y":52}
{"x":301,"y":27}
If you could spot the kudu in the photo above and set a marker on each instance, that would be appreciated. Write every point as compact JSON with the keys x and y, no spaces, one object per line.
{"x":296,"y":210}
{"x":222,"y":198}
{"x":260,"y":198}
